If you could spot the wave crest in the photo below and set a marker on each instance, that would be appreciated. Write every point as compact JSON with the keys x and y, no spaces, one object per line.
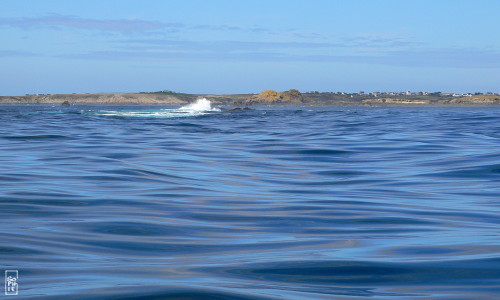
{"x":200,"y":107}
{"x":202,"y":104}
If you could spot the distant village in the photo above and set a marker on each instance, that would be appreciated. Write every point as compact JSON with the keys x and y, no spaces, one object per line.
{"x":406,"y":93}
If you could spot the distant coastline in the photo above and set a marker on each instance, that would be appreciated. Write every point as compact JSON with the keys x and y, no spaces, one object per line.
{"x":268,"y":97}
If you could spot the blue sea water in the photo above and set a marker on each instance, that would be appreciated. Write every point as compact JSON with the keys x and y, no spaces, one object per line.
{"x":149,"y":202}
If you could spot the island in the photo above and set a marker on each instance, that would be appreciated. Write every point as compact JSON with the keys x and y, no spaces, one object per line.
{"x":267,"y":97}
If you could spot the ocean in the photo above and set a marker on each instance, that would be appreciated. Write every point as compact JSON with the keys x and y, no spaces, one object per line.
{"x":277,"y":202}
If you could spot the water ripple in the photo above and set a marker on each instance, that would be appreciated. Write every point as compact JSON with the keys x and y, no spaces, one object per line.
{"x":141,"y":202}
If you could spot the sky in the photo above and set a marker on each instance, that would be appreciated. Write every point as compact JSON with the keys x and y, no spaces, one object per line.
{"x":227,"y":46}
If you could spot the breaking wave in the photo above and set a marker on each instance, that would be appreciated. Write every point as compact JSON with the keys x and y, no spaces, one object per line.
{"x":202,"y":106}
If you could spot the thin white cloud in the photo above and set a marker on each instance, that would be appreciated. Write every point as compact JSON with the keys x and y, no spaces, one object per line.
{"x":307,"y":46}
{"x":192,"y":51}
{"x":65,"y":21}
{"x":359,"y":46}
{"x":17,"y":53}
{"x":221,"y":45}
{"x":56,"y":21}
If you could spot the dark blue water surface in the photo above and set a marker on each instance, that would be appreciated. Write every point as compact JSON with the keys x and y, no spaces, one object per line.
{"x":136,"y":202}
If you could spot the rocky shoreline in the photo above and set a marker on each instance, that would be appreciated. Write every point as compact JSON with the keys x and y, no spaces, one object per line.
{"x":292,"y":97}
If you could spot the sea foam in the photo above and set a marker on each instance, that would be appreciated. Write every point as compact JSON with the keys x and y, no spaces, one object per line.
{"x":200,"y":107}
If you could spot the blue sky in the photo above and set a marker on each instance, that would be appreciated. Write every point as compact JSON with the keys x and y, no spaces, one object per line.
{"x":222,"y":46}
